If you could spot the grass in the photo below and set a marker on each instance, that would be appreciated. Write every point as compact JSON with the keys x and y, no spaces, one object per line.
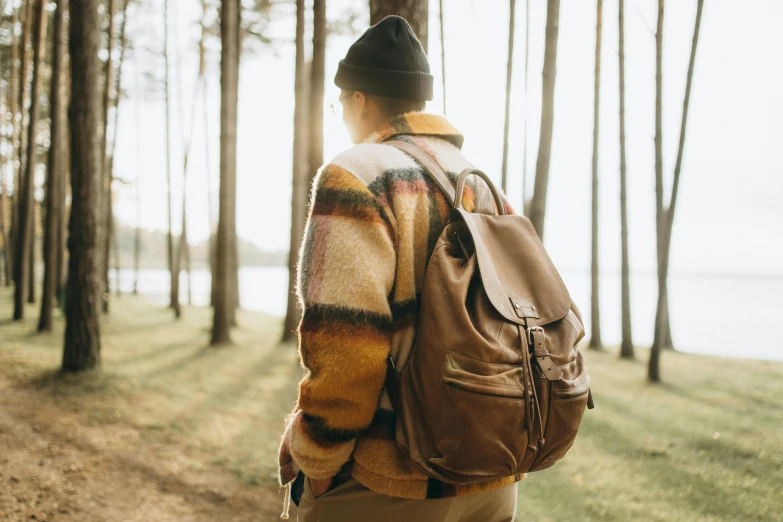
{"x":706,"y":445}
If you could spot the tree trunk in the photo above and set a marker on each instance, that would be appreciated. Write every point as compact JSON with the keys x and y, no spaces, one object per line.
{"x":8,"y":238}
{"x":315,"y":139}
{"x":230,"y":17}
{"x":31,"y":255}
{"x":65,"y":165}
{"x":82,"y":347}
{"x":667,"y":216}
{"x":442,"y":55}
{"x":111,"y":229}
{"x":653,"y":369}
{"x":173,"y":279}
{"x":524,"y":134}
{"x":509,"y":70}
{"x":54,"y":171}
{"x":26,"y":18}
{"x":416,"y":12}
{"x":105,"y":200}
{"x":299,"y":186}
{"x":25,"y":233}
{"x":538,"y":204}
{"x":626,"y":345}
{"x":595,"y":297}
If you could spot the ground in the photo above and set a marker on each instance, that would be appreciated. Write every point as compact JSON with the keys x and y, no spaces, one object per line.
{"x":170,"y":429}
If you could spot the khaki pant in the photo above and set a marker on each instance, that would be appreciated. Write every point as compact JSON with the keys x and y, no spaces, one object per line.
{"x":352,"y":502}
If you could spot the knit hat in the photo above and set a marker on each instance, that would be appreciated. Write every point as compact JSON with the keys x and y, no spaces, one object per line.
{"x":387,"y":60}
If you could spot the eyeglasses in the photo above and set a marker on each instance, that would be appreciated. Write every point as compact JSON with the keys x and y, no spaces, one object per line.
{"x":333,"y":106}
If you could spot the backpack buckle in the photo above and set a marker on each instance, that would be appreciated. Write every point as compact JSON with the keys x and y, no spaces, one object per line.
{"x":537,"y":342}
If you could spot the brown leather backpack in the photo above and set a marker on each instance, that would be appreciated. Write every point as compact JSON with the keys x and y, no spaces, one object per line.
{"x":495,"y":385}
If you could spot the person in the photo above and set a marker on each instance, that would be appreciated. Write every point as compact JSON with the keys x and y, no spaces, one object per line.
{"x":375,"y":215}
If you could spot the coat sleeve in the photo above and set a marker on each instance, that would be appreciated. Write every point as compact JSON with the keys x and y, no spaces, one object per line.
{"x":345,"y":276}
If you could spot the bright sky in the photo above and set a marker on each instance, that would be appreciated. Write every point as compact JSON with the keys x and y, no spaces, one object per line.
{"x":730,"y":211}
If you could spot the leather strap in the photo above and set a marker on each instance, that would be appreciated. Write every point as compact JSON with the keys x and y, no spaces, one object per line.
{"x":541,"y":354}
{"x":429,"y":164}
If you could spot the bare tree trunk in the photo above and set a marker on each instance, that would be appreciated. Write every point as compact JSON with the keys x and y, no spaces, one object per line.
{"x":524,"y":137}
{"x":8,"y":237}
{"x":315,"y":139}
{"x":54,"y":171}
{"x":667,"y":216}
{"x":595,"y":309}
{"x":538,"y":204}
{"x":299,"y":186}
{"x":31,"y":255}
{"x":174,"y":280}
{"x":24,"y":243}
{"x":111,"y":229}
{"x":105,"y":200}
{"x":626,"y":345}
{"x":230,"y":16}
{"x":62,"y":230}
{"x":82,"y":347}
{"x":442,"y":55}
{"x":416,"y":12}
{"x":509,"y":70}
{"x":26,"y":18}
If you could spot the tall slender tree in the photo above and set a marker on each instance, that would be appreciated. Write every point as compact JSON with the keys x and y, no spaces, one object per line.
{"x":54,"y":171}
{"x":538,"y":203}
{"x":442,"y":54}
{"x":416,"y":12}
{"x":626,"y":344}
{"x":21,"y":94}
{"x":230,"y":16}
{"x":82,"y":346}
{"x":524,"y":132}
{"x":299,"y":185}
{"x":667,"y":214}
{"x":595,"y":309}
{"x":316,"y":134}
{"x":24,"y":241}
{"x":111,"y":232}
{"x":105,"y":199}
{"x":173,"y":279}
{"x":509,"y":71}
{"x":8,"y":238}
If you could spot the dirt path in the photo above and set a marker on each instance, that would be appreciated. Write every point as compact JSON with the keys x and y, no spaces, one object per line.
{"x":55,"y":467}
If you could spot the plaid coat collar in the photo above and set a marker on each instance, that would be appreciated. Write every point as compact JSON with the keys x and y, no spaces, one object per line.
{"x":417,"y":123}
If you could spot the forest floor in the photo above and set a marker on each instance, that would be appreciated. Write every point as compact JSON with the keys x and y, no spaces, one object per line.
{"x":170,"y":429}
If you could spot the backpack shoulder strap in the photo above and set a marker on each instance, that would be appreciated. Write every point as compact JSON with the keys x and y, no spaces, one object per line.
{"x":430,"y":166}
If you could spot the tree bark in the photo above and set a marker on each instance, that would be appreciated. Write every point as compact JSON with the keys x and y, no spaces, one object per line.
{"x":653,"y":368}
{"x":416,"y":12}
{"x":524,"y":134}
{"x":26,"y":18}
{"x":25,"y":233}
{"x":62,"y":230}
{"x":667,"y":216}
{"x":111,"y":229}
{"x":230,"y":17}
{"x":538,"y":204}
{"x":442,"y":55}
{"x":105,"y":202}
{"x":509,"y":70}
{"x":8,"y":237}
{"x":54,"y":171}
{"x":82,"y":347}
{"x":299,"y":186}
{"x":626,"y":344}
{"x":316,"y":135}
{"x":173,"y":279}
{"x":595,"y":297}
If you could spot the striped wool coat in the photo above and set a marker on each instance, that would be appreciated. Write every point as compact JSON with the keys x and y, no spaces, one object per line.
{"x":375,"y":216}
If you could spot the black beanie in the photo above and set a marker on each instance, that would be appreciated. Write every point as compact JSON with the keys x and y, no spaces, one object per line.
{"x":387,"y":60}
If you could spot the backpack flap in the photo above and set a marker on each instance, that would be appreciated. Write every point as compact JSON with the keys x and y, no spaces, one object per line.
{"x":517,"y":274}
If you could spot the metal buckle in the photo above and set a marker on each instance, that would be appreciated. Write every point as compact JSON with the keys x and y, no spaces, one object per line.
{"x":530,"y":335}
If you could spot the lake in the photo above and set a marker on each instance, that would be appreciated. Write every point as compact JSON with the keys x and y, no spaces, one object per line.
{"x":707,"y":311}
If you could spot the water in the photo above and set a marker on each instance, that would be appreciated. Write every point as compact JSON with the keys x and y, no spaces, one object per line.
{"x":734,"y":316}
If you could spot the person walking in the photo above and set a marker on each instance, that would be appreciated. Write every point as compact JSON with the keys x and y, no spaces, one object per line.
{"x":375,"y":215}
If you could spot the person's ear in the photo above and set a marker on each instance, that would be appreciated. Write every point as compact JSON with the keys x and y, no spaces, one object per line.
{"x":359,"y":105}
